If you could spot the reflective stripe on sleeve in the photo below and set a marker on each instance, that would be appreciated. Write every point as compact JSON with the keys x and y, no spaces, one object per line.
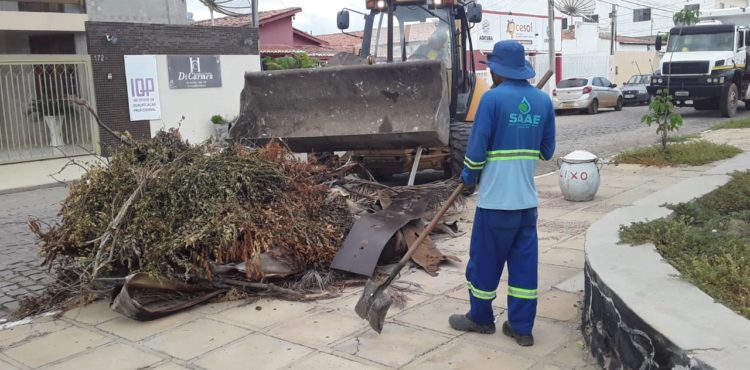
{"x":473,"y":165}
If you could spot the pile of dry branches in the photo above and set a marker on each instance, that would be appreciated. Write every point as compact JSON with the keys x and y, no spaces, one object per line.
{"x":174,"y":210}
{"x":206,"y":216}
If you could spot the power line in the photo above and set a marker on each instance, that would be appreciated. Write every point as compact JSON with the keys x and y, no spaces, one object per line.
{"x":643,"y":5}
{"x":648,"y":6}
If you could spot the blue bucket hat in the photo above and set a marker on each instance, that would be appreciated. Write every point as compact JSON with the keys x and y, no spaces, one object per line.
{"x":508,"y":59}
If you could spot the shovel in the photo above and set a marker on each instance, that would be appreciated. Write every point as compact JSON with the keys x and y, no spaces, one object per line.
{"x":375,"y":301}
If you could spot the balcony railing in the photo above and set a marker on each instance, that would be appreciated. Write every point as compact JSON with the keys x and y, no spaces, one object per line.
{"x":47,"y":6}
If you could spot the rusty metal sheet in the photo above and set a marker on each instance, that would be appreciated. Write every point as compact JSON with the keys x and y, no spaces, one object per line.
{"x":369,"y":235}
{"x":143,"y":298}
{"x":427,"y":255}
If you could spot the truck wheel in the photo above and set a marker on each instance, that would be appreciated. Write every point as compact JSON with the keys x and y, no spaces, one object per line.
{"x":728,"y":105}
{"x":460,"y":132}
{"x":593,"y":107}
{"x":618,"y":106}
{"x":747,"y":104}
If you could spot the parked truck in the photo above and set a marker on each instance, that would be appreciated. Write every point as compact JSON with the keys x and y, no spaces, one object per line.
{"x":704,"y":65}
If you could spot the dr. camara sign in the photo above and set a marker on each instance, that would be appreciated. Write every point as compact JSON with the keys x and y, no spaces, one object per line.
{"x":194,"y":71}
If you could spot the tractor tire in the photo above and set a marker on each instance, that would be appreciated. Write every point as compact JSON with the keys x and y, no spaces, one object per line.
{"x":728,"y":104}
{"x":460,"y":132}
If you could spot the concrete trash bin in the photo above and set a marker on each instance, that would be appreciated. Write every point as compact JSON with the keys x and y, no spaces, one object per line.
{"x":579,"y":176}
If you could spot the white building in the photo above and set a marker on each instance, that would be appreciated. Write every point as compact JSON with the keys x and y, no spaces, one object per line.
{"x":526,"y":21}
{"x":640,"y":18}
{"x":590,"y":38}
{"x":53,"y":50}
{"x":57,"y":26}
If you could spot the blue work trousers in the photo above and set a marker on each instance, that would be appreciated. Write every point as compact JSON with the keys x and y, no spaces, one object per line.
{"x":499,"y":237}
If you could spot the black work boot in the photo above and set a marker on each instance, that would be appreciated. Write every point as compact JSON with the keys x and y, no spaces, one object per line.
{"x":464,"y":323}
{"x":522,"y":340}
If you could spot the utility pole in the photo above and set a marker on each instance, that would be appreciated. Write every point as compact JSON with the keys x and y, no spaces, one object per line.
{"x":652,"y":27}
{"x":255,"y":13}
{"x":551,"y":34}
{"x":390,"y":31}
{"x":613,"y":30}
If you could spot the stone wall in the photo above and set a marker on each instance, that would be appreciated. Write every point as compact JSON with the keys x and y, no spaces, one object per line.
{"x":619,"y":339}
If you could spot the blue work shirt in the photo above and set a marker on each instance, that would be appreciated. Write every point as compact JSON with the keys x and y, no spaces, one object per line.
{"x":513,"y":128}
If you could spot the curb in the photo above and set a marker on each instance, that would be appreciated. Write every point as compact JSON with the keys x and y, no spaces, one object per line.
{"x":36,"y":187}
{"x":638,"y":313}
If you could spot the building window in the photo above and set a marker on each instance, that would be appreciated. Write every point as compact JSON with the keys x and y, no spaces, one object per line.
{"x":24,"y":6}
{"x":642,"y":15}
{"x":594,"y":18}
{"x":695,"y":7}
{"x":722,"y":6}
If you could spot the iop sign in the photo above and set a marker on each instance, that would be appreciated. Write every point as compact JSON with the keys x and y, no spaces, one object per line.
{"x":142,"y":86}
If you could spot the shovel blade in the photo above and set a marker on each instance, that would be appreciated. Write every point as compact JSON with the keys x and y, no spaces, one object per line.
{"x":373,"y":305}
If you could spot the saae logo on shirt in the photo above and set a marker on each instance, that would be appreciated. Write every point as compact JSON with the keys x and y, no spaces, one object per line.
{"x":524,"y":118}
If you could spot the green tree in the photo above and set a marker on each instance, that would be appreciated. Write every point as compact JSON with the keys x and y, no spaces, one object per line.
{"x":662,"y":114}
{"x":294,"y":61}
{"x":686,"y":17}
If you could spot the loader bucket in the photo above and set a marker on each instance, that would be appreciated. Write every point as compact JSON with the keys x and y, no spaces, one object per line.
{"x":355,"y":107}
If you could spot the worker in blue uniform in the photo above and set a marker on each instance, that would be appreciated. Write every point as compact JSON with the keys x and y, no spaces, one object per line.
{"x":513,"y":128}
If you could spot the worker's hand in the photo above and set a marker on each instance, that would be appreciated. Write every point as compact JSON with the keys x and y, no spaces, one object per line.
{"x":469,"y":178}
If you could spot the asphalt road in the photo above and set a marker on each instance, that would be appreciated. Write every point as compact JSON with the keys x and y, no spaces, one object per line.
{"x":609,"y":132}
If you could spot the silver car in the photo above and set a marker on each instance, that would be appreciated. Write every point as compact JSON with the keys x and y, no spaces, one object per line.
{"x":634,"y":91}
{"x":587,"y":94}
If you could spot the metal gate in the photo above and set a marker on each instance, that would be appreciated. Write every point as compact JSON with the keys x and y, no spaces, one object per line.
{"x":37,"y":121}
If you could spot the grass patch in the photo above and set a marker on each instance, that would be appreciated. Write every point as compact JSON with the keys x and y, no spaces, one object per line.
{"x":740,"y":123}
{"x":708,"y":241}
{"x":691,"y":153}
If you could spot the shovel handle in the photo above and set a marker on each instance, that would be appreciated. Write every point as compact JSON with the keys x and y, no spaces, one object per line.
{"x":441,"y":213}
{"x":544,"y":79}
{"x":413,"y":247}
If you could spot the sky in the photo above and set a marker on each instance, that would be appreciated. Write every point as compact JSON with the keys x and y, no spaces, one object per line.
{"x":317,"y":17}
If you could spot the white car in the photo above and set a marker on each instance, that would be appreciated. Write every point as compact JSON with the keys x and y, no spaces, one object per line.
{"x":587,"y":94}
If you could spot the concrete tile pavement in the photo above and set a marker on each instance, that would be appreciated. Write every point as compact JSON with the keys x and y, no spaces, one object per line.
{"x":277,"y":334}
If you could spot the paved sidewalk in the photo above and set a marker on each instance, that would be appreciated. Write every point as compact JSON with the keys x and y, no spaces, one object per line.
{"x":272,"y":334}
{"x":328,"y":334}
{"x":20,"y":273}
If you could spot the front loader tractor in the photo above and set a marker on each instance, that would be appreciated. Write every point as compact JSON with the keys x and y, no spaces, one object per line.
{"x":405,"y":103}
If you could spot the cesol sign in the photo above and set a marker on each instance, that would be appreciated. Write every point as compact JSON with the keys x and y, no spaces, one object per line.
{"x":529,"y":30}
{"x":194,"y":71}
